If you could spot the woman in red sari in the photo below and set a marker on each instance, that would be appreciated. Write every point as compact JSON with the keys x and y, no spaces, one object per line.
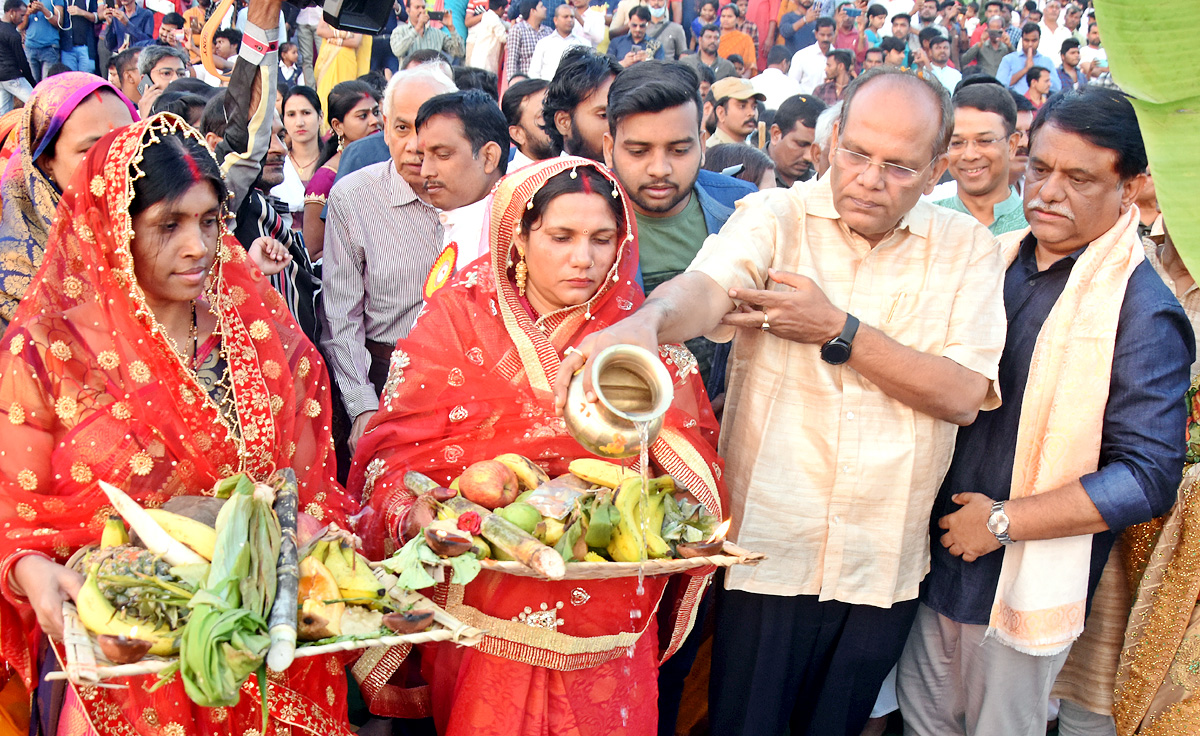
{"x":473,"y":380}
{"x":149,"y":353}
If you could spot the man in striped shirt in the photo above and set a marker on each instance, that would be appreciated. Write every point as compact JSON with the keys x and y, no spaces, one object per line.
{"x":381,"y":238}
{"x":523,"y":38}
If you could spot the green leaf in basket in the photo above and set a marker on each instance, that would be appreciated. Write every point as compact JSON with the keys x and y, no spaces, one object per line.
{"x":466,"y":566}
{"x":604,"y":517}
{"x":566,"y":543}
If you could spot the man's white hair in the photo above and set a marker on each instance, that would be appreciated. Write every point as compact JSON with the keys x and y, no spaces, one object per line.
{"x":823,"y":133}
{"x":437,"y":73}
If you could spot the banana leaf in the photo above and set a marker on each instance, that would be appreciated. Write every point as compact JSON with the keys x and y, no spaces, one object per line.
{"x":1148,"y":49}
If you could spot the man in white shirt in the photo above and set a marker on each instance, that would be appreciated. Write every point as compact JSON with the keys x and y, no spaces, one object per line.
{"x":938,"y":63}
{"x":1093,"y":59}
{"x":589,"y":22}
{"x":463,"y":139}
{"x":808,"y":64}
{"x":550,"y":49}
{"x":1053,"y":32}
{"x":774,"y":83}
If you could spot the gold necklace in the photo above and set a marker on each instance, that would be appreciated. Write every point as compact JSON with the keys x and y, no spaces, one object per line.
{"x":302,"y":167}
{"x":193,"y":333}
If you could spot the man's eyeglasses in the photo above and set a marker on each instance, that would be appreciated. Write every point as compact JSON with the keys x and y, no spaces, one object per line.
{"x":856,"y":163}
{"x":981,"y":144}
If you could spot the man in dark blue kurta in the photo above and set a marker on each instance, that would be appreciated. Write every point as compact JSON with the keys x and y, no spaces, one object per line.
{"x":956,"y":676}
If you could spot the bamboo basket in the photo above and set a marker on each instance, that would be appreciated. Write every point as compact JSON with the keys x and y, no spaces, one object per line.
{"x":86,"y":665}
{"x":732,"y":555}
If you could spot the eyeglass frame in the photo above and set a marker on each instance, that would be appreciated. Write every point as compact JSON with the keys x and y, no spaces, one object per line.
{"x":981,"y":144}
{"x":883,"y":166}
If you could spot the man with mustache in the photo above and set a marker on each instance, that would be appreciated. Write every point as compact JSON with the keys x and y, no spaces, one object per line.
{"x":1087,"y":441}
{"x":653,"y":146}
{"x":868,"y":323}
{"x":382,"y":236}
{"x":463,"y":140}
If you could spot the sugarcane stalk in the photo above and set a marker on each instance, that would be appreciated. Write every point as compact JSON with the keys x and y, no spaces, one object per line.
{"x":514,"y":541}
{"x":282,"y":623}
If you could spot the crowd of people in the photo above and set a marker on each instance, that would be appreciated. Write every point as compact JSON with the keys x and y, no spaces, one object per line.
{"x":933,"y":348}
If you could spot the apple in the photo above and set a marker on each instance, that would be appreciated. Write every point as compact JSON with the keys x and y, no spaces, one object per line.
{"x":489,"y":483}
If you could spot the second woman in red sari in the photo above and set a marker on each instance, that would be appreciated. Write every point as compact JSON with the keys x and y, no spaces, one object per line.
{"x":473,"y":380}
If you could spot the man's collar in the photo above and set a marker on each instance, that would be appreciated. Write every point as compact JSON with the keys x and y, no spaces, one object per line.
{"x":402,"y":191}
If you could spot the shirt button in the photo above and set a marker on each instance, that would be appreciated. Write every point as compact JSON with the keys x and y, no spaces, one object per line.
{"x":850,"y":415}
{"x":836,"y":520}
{"x":845,"y":468}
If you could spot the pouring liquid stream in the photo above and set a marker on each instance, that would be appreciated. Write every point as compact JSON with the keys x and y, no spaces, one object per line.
{"x":644,"y":437}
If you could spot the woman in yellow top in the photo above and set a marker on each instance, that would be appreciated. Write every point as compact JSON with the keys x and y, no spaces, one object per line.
{"x":734,"y":41}
{"x":344,"y":56}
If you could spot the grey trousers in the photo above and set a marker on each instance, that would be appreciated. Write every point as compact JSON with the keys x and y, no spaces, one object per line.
{"x":1075,"y":720}
{"x":310,"y":46}
{"x":952,"y":680}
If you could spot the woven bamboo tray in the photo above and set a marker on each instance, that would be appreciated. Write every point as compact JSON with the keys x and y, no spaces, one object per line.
{"x":86,"y":665}
{"x":732,"y":555}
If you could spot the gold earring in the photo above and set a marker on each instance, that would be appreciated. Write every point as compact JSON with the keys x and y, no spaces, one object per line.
{"x":522,"y":271}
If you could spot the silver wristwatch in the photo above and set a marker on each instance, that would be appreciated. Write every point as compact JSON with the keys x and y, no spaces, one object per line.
{"x":997,"y":522}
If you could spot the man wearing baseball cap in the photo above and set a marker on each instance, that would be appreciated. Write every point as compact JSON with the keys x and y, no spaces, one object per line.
{"x":736,"y":107}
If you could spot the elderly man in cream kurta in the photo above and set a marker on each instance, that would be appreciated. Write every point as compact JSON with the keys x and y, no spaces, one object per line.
{"x":869,"y":327}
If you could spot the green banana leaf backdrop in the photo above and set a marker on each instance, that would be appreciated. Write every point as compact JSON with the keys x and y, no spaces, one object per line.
{"x":1151,"y":54}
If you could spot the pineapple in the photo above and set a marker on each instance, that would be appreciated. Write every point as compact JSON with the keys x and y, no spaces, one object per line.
{"x":140,"y":585}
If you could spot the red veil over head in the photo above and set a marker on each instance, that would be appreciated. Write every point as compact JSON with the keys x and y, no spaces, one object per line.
{"x":91,"y":389}
{"x":474,"y":380}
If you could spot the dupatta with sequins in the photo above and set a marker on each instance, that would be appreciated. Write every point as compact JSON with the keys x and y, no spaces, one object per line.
{"x":473,"y":380}
{"x":91,"y":389}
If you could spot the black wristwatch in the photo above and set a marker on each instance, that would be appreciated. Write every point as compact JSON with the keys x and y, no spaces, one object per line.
{"x":837,"y":350}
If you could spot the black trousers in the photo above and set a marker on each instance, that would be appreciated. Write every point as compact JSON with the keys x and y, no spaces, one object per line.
{"x":816,"y":666}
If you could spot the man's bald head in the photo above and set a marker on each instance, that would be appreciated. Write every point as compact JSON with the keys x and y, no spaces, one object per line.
{"x":919,"y":96}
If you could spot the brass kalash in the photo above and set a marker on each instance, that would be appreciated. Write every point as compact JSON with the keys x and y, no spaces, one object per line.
{"x":633,"y":391}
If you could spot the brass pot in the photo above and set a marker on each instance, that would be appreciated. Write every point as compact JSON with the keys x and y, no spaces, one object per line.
{"x":632,"y":386}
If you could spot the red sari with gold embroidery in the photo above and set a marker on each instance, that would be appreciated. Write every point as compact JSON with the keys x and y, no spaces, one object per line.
{"x":473,"y":380}
{"x":90,"y":389}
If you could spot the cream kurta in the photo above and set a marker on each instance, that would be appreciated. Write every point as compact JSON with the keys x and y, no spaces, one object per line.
{"x":827,"y":475}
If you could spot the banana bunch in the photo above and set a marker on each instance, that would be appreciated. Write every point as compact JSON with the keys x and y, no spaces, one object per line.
{"x":100,"y":617}
{"x":640,"y":512}
{"x":352,"y":573}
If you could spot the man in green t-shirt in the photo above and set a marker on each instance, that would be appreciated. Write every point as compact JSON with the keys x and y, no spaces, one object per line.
{"x":981,"y":150}
{"x":654,"y":147}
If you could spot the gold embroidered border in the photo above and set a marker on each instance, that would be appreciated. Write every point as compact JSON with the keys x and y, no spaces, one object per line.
{"x":540,"y":647}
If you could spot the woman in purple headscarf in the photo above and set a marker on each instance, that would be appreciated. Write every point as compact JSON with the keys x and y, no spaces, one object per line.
{"x":41,"y":145}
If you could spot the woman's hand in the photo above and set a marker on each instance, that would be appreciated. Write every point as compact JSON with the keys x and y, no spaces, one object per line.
{"x":47,"y":585}
{"x":270,"y":255}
